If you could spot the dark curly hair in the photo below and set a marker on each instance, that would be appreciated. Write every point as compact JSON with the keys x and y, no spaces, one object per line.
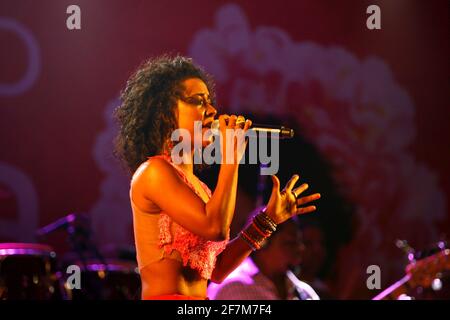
{"x":147,"y":115}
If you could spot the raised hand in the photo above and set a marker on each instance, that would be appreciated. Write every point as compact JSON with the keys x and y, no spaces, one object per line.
{"x":287,"y":203}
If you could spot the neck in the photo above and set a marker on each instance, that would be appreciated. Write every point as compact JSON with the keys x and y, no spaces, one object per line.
{"x":187,"y":165}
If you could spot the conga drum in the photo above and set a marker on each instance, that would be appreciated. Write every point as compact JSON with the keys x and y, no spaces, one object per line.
{"x":110,"y":280}
{"x":28,"y":271}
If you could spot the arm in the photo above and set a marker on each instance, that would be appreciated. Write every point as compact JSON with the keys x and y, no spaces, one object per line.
{"x":230,"y":258}
{"x":281,"y":206}
{"x":159,"y":182}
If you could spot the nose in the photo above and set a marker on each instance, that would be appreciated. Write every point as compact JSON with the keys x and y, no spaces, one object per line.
{"x":210,"y":111}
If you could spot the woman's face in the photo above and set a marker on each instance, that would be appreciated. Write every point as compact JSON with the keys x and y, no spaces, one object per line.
{"x":195,"y":106}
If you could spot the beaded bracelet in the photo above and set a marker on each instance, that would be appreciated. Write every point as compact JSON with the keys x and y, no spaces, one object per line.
{"x":261,"y":227}
{"x":265,"y":221}
{"x":252,"y":244}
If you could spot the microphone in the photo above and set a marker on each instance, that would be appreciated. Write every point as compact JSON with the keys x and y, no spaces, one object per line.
{"x":58,"y":224}
{"x":72,"y":220}
{"x":280,"y":132}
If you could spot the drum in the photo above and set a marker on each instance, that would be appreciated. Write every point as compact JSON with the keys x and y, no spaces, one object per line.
{"x":28,"y":271}
{"x":112,"y":280}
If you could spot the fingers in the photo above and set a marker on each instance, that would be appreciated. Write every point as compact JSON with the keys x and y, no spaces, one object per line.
{"x":232,"y":121}
{"x":275,"y":184}
{"x":307,"y":199}
{"x":306,"y":210}
{"x":291,"y":183}
{"x":240,"y":121}
{"x":301,"y":189}
{"x":248,"y":124}
{"x":223,"y":118}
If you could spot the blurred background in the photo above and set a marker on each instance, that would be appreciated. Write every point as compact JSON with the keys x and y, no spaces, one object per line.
{"x":370,"y":109}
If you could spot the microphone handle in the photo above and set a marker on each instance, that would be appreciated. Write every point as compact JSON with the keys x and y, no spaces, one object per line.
{"x":283,"y":132}
{"x":280,"y":131}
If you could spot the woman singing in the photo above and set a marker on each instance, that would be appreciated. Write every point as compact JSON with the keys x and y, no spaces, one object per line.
{"x":181,"y":228}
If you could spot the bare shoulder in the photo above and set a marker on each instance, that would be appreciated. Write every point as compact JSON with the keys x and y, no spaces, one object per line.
{"x":154,"y":172}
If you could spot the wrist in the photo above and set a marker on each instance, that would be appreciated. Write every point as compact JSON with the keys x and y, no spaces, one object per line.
{"x":270,"y":213}
{"x":229,"y":167}
{"x":266,"y":221}
{"x":257,"y":232}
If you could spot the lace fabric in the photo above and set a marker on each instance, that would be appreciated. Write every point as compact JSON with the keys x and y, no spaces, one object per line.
{"x":200,"y":254}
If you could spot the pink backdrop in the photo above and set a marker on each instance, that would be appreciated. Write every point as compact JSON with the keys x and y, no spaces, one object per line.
{"x":374,"y":102}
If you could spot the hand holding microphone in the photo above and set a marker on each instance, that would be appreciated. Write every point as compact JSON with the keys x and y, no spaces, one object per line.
{"x":233,"y":150}
{"x":271,"y":131}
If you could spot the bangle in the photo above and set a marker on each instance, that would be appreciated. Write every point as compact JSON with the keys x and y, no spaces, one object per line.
{"x":261,"y":232}
{"x":252,"y":244}
{"x":257,"y":232}
{"x":262,"y":225}
{"x":266,"y":222}
{"x":268,"y":219}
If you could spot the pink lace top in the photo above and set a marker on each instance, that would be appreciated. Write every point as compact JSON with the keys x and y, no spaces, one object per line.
{"x":200,"y":254}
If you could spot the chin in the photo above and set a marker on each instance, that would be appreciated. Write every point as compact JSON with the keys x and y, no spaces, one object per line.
{"x":207,"y":142}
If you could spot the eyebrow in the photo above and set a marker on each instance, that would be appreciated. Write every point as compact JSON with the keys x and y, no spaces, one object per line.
{"x":202,"y":95}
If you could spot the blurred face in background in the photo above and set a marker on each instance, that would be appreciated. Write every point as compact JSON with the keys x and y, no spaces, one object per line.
{"x":314,"y":252}
{"x":285,"y":248}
